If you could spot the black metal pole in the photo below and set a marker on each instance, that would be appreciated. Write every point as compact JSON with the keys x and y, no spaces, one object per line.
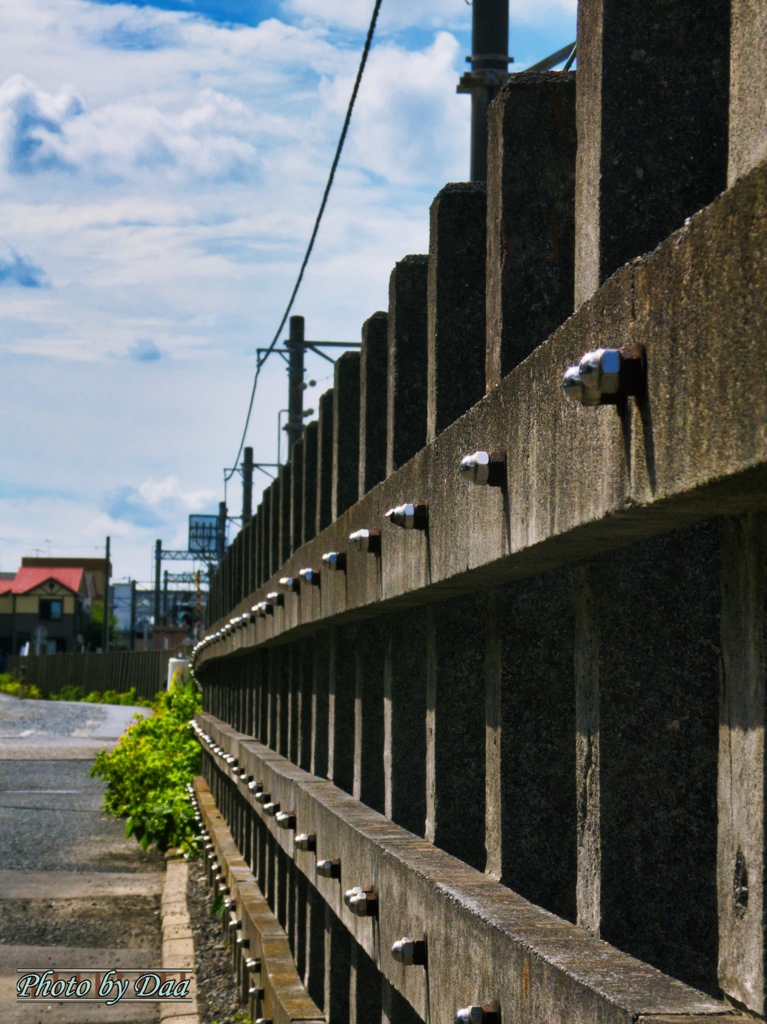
{"x":489,"y":70}
{"x":221,"y":545}
{"x":157,"y":569}
{"x":296,"y":348}
{"x":133,"y":615}
{"x":105,"y":627}
{"x":247,"y":486}
{"x":165,"y":598}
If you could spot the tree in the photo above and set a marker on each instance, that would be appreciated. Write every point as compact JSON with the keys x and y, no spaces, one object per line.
{"x":94,"y":633}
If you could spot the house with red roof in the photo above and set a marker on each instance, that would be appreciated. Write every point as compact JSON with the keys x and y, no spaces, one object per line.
{"x":46,"y":606}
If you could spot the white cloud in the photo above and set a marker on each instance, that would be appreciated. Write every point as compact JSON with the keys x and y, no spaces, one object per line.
{"x":47,"y":132}
{"x":163,"y":173}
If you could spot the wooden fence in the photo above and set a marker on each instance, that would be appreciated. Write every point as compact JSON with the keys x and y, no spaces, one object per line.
{"x":119,"y":670}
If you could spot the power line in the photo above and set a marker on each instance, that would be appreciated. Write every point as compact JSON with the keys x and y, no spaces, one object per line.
{"x":347,"y":120}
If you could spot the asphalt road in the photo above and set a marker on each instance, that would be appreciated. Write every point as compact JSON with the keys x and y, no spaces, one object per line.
{"x":73,"y":891}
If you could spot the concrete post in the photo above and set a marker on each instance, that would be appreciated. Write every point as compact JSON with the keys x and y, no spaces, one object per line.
{"x":309,"y":511}
{"x":297,"y":496}
{"x":266,"y":532}
{"x":337,"y":968}
{"x":748,"y":88}
{"x":305,"y":655}
{"x":653,"y":83}
{"x":586,"y":664}
{"x":741,"y":798}
{"x":455,"y":728}
{"x":346,"y":433}
{"x":285,"y":535}
{"x":275,"y":522}
{"x":321,"y":658}
{"x":325,"y":463}
{"x":373,"y":357}
{"x":258,"y":530}
{"x":407,"y":361}
{"x":368,"y":784}
{"x":530,"y":216}
{"x":314,"y":979}
{"x":657,"y":611}
{"x":341,"y":692}
{"x":456,"y":304}
{"x":404,"y":723}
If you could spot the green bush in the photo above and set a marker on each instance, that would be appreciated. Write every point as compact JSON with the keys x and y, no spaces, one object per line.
{"x":69,"y":692}
{"x":12,"y":686}
{"x":129,"y":699}
{"x":147,"y":774}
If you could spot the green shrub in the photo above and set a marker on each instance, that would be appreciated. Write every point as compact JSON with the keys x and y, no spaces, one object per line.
{"x":12,"y":686}
{"x":148,"y":772}
{"x":129,"y":699}
{"x":69,"y":692}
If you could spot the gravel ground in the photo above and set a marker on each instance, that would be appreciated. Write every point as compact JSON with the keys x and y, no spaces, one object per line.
{"x":50,"y":717}
{"x":216,"y":990}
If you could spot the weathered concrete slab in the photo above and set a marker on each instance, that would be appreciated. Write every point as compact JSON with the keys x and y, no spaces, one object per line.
{"x":695,"y":447}
{"x":653,"y":83}
{"x":456,"y":303}
{"x":530,"y":216}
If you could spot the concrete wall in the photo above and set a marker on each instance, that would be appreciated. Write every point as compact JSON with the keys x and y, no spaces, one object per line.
{"x":535,"y":725}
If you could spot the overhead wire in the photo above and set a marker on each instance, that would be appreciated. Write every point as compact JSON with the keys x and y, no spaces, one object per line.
{"x":347,"y":120}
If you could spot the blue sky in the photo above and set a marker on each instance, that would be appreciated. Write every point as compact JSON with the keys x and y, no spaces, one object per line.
{"x":160,"y":168}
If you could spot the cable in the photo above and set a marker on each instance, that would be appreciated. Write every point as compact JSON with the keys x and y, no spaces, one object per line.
{"x":323,"y":204}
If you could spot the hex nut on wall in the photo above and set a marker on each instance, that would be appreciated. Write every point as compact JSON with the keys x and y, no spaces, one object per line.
{"x":409,"y":516}
{"x":606,"y":376}
{"x":484,"y":468}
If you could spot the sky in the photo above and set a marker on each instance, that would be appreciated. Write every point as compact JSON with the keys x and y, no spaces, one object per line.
{"x":161,"y":166}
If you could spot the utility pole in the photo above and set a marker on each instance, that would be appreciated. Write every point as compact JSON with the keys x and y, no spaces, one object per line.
{"x":296,"y":350}
{"x":133,"y":615}
{"x":165,"y":598}
{"x":221,"y":532}
{"x":105,"y":634}
{"x":157,"y":568}
{"x":489,"y":70}
{"x":247,"y":486}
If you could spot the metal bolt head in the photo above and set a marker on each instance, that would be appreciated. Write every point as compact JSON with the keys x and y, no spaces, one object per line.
{"x":409,"y":516}
{"x":475,"y":468}
{"x":255,"y":992}
{"x":351,"y":894}
{"x":271,"y":808}
{"x":409,"y":951}
{"x":242,"y":942}
{"x":334,"y":560}
{"x":263,"y":798}
{"x":470,"y":1015}
{"x":275,"y":598}
{"x":290,"y":583}
{"x":286,"y":819}
{"x":402,"y":515}
{"x":255,"y":787}
{"x":309,"y":575}
{"x":603,"y":376}
{"x":329,"y":868}
{"x":305,"y":841}
{"x":253,"y":964}
{"x":366,"y":541}
{"x":365,"y":904}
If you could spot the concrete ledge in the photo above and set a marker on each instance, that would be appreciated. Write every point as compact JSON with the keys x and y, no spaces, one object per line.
{"x":177,"y":941}
{"x":542,"y":969}
{"x":285,"y":1001}
{"x":579,"y":480}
